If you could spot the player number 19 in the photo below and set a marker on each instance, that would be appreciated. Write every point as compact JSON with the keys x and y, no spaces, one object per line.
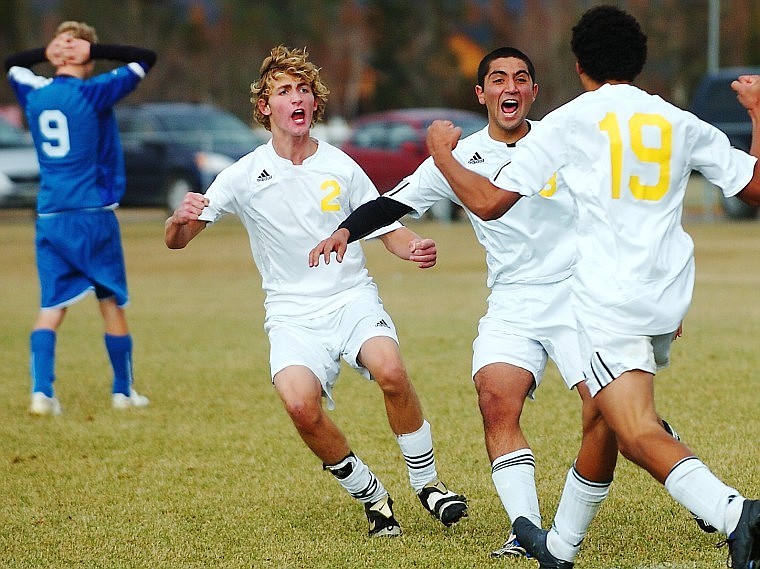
{"x":659,"y":155}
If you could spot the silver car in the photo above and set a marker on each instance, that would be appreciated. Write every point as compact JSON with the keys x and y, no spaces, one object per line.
{"x":19,"y":169}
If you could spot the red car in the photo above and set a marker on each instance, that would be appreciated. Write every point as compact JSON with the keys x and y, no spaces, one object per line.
{"x":390,"y":145}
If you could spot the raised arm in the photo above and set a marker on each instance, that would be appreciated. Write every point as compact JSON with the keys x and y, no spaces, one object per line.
{"x":747,"y":89}
{"x":184,"y":224}
{"x":477,"y":192}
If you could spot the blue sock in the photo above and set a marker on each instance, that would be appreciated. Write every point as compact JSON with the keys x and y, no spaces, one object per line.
{"x":42,"y":361}
{"x":120,"y":353}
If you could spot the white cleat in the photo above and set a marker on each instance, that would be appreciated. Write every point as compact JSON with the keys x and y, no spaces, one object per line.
{"x":134,"y":400}
{"x":43,"y":405}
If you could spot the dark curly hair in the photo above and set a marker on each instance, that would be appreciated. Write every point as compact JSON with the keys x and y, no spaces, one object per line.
{"x":609,"y":44}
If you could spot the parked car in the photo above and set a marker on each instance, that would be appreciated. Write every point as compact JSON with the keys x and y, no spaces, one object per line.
{"x":173,"y":148}
{"x":19,"y":169}
{"x":391,"y":144}
{"x":715,"y":102}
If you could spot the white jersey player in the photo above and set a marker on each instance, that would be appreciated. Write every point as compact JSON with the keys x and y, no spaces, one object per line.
{"x":626,"y":157}
{"x":530,"y":253}
{"x":287,"y":193}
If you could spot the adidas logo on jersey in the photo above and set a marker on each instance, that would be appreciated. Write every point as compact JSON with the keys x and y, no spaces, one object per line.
{"x":476,"y":159}
{"x":264,"y":176}
{"x":382,"y":324}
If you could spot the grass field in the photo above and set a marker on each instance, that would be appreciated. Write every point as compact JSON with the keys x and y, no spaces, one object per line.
{"x":212,"y":474}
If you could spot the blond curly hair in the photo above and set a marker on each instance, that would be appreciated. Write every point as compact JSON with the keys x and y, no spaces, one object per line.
{"x":79,"y":30}
{"x":282,"y":60}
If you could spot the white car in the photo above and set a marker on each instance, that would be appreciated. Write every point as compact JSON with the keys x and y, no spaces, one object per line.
{"x":19,"y":169}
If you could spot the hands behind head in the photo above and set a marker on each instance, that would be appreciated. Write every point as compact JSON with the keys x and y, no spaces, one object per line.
{"x":747,"y":89}
{"x":65,"y":49}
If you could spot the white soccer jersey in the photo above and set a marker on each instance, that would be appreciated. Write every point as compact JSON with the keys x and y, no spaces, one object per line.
{"x":531,"y":244}
{"x":627,"y":156}
{"x":287,"y":210}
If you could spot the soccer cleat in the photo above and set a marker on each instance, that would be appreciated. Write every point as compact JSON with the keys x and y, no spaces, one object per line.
{"x":703,"y":525}
{"x":533,"y":539}
{"x":134,"y":399}
{"x":382,"y":523}
{"x":442,"y":503}
{"x":44,"y":405}
{"x":744,"y":541}
{"x":511,"y":548}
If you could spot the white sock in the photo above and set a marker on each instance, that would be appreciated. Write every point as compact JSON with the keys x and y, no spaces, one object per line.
{"x":514,"y":476}
{"x":417,"y":448}
{"x":693,"y":486}
{"x":580,"y":501}
{"x":357,"y":479}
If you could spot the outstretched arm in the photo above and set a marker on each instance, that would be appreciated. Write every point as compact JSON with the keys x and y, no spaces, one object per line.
{"x":361,"y":222}
{"x":184,"y":224}
{"x":407,"y":245}
{"x":747,"y":89}
{"x":477,"y":192}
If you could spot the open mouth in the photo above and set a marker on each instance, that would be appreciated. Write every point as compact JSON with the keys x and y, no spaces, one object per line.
{"x":509,"y":106}
{"x":299,"y":116}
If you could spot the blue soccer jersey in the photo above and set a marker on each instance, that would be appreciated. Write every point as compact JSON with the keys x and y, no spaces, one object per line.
{"x":76,"y":135}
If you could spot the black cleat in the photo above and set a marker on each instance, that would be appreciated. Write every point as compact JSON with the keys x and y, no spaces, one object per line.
{"x":382,"y":523}
{"x":533,"y":539}
{"x":442,"y":503}
{"x":744,"y":541}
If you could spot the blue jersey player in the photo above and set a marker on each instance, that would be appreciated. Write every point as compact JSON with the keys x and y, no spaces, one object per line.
{"x":78,"y":241}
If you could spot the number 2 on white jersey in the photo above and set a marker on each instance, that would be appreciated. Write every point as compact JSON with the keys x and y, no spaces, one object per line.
{"x":659,"y":156}
{"x":329,"y":202}
{"x":55,"y":128}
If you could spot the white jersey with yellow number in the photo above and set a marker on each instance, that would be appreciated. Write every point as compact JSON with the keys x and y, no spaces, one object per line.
{"x":287,"y":210}
{"x":627,"y":156}
{"x":534,"y":243}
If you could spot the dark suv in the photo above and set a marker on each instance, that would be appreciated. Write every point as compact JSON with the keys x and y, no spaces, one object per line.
{"x":174,"y":148}
{"x":715,"y":102}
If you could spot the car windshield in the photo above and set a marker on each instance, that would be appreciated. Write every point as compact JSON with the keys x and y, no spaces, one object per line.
{"x":10,"y":136}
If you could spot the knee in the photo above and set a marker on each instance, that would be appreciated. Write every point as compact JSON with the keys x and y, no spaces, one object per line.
{"x":497,"y":405}
{"x":304,"y":413}
{"x":392,"y":378}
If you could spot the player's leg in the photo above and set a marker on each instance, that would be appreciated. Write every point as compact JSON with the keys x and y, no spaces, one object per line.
{"x":381,"y":357}
{"x":42,"y":342}
{"x":118,"y":342}
{"x":502,"y":389}
{"x":301,"y":394}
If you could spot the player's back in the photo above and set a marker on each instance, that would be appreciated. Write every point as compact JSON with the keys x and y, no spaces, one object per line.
{"x":77,"y":143}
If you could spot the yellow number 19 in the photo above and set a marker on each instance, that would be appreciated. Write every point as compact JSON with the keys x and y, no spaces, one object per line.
{"x":652,"y":155}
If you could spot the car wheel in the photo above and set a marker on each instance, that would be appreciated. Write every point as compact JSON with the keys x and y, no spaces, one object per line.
{"x":737,"y":209}
{"x":176,"y":189}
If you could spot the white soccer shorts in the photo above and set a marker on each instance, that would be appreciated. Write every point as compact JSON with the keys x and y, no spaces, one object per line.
{"x":320,"y":343}
{"x":608,"y":354}
{"x":526,"y":324}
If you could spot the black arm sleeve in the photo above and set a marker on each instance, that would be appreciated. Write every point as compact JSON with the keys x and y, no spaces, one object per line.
{"x":123,"y":53}
{"x":373,"y":215}
{"x":25,"y":58}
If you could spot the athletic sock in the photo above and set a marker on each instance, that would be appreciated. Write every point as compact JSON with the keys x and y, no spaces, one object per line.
{"x":579,"y":503}
{"x":120,"y":353}
{"x":358,"y":480}
{"x":417,"y":448}
{"x":693,"y":486}
{"x":514,"y":476}
{"x":42,"y":360}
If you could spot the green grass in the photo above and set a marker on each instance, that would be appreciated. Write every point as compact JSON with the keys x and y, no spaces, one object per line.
{"x":212,"y":474}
